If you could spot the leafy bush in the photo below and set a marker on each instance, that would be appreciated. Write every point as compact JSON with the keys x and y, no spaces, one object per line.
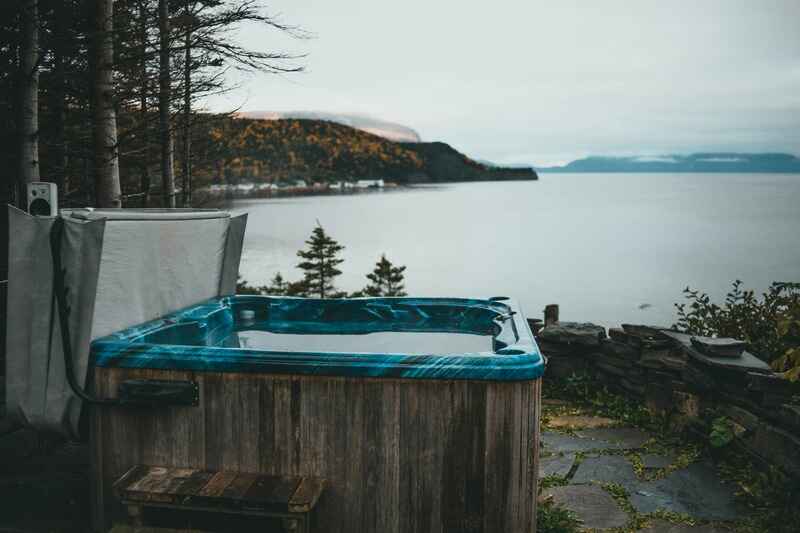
{"x":769,"y":324}
{"x":721,"y":432}
{"x":789,"y":362}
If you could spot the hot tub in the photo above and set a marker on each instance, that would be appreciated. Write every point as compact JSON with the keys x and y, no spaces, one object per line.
{"x":422,"y":413}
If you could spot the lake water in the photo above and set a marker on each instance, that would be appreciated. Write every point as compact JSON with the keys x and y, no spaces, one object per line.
{"x":609,"y":248}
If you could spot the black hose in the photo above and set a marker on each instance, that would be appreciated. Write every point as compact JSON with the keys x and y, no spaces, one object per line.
{"x":60,"y":289}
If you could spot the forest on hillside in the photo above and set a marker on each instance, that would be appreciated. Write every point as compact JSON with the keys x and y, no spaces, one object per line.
{"x":103,"y":97}
{"x":314,"y":150}
{"x":258,"y":151}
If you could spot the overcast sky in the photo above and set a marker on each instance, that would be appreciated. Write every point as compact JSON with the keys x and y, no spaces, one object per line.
{"x":530,"y":81}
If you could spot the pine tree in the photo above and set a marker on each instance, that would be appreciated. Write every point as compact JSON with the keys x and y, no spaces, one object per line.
{"x":386,"y":279}
{"x":278,"y":286}
{"x":242,"y":287}
{"x":319,"y":262}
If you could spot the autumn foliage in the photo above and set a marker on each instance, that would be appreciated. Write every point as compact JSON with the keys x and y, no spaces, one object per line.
{"x":275,"y":150}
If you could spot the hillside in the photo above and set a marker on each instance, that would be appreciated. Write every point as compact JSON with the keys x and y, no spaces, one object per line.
{"x":286,"y":149}
{"x":700,"y":162}
{"x":381,"y":128}
{"x":442,"y":162}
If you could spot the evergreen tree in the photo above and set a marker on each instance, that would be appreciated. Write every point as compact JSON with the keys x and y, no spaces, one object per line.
{"x":242,"y":287}
{"x":386,"y":279}
{"x":319,"y":262}
{"x":278,"y":286}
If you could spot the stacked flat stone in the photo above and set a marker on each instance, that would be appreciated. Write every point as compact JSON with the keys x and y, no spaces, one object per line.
{"x":665,"y":371}
{"x":570,"y":347}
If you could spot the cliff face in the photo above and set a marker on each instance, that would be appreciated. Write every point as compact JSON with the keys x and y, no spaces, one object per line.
{"x":269,"y":150}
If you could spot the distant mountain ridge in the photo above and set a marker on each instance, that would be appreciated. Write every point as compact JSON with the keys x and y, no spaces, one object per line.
{"x":700,"y":162}
{"x":382,"y":128}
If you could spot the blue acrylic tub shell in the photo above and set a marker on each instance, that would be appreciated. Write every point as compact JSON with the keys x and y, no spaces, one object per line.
{"x":186,"y":340}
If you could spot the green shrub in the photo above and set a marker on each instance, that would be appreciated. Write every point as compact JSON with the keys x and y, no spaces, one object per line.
{"x":721,"y":432}
{"x":769,"y":324}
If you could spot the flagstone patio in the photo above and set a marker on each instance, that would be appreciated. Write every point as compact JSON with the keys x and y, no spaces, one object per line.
{"x":608,"y":476}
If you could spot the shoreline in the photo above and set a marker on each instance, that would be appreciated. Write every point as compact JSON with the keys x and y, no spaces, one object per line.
{"x":223,"y":194}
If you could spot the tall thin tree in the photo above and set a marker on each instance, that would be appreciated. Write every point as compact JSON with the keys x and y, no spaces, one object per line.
{"x":29,"y":94}
{"x":187,"y":105}
{"x":319,"y":264}
{"x":144,"y":84}
{"x":164,"y":98}
{"x":60,"y":163}
{"x":104,"y":133}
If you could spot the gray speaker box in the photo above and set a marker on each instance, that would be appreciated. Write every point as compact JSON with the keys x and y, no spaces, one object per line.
{"x":42,"y":199}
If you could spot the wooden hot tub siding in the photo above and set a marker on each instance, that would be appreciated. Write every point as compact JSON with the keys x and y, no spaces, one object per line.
{"x":400,"y":455}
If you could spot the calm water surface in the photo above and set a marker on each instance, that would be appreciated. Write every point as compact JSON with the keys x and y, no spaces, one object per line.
{"x":608,"y":248}
{"x":405,"y":342}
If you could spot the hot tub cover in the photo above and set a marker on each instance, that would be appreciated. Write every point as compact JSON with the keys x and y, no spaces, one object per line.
{"x":123,"y":267}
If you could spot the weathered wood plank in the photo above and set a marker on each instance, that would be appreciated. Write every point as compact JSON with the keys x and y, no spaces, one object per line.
{"x":271,"y":490}
{"x":408,"y":509}
{"x":336,"y":462}
{"x":306,"y":495}
{"x":244,"y":419}
{"x":217,"y":484}
{"x":380,"y":457}
{"x":194,"y":483}
{"x":216,"y":438}
{"x":237,"y":488}
{"x":463,"y":469}
{"x":133,"y":475}
{"x":266,"y":428}
{"x":352,"y":419}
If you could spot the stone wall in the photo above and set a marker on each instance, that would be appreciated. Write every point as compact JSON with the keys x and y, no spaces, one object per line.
{"x":665,"y":371}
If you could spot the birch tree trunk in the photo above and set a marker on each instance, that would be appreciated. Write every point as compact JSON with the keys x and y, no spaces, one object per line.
{"x":143,"y":119}
{"x":187,"y":113}
{"x":61,"y":164}
{"x":104,"y":132}
{"x":29,"y":96}
{"x":164,"y":94}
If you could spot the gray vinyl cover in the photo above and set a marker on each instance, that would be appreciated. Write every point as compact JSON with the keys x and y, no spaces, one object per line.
{"x":123,"y":267}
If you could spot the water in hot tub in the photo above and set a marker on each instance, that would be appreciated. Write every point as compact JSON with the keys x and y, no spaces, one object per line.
{"x":389,"y":342}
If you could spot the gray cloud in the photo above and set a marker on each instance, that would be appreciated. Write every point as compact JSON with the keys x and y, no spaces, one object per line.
{"x":534,"y":81}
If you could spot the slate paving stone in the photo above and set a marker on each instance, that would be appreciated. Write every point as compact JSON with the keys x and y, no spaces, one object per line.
{"x":695,"y":490}
{"x":662,"y":526}
{"x":591,"y":504}
{"x":580,"y":421}
{"x":652,"y":461}
{"x":623,"y":438}
{"x":553,"y":442}
{"x":606,"y":469}
{"x":556,"y":465}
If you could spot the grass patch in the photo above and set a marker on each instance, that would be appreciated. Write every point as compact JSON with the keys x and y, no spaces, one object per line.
{"x":553,"y":518}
